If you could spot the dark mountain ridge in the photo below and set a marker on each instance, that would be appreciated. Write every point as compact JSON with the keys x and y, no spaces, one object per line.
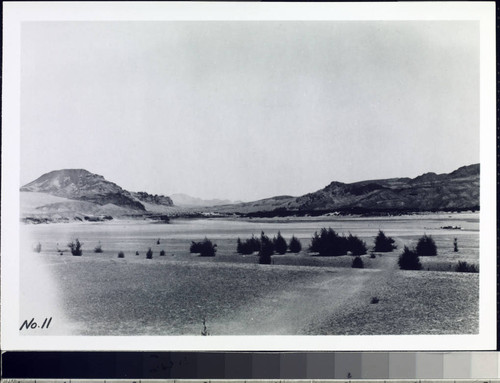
{"x":457,"y":190}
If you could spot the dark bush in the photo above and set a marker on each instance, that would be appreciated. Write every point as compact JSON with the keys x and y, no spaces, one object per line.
{"x":76,"y":247}
{"x":374,"y":300}
{"x":409,"y":260}
{"x":121,"y":254}
{"x":266,"y":249}
{"x":383,"y":243}
{"x":355,"y":245}
{"x":250,"y":246}
{"x":426,"y":246}
{"x":162,"y":253}
{"x":136,"y":253}
{"x":37,"y":248}
{"x":98,"y":248}
{"x":149,"y":254}
{"x":280,"y":245}
{"x":464,"y":267}
{"x":204,"y":248}
{"x":195,"y":247}
{"x":373,"y":255}
{"x":357,"y":263}
{"x":295,"y":246}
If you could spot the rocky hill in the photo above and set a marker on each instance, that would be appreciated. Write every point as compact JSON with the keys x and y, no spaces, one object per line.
{"x":82,"y":185}
{"x":458,"y":190}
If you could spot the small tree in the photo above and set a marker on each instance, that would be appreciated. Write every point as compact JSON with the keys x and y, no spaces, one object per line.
{"x":355,"y":245}
{"x":409,"y":260}
{"x":149,"y":254}
{"x":162,"y":253}
{"x":295,"y":246}
{"x":98,"y":248}
{"x":426,"y":246}
{"x":455,"y":245}
{"x":357,"y":263}
{"x":76,"y":247}
{"x":37,"y":248}
{"x":266,"y":250}
{"x":280,"y":245}
{"x":383,"y":243}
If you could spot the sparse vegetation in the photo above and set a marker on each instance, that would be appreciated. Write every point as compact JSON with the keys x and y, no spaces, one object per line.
{"x":204,"y":332}
{"x":464,"y":267}
{"x":295,"y":246}
{"x":426,"y":246}
{"x":121,"y":254}
{"x":279,"y":243}
{"x":383,"y":243}
{"x":37,"y":248}
{"x":76,"y":247}
{"x":149,"y":254}
{"x":266,"y":249}
{"x":205,"y":248}
{"x":98,"y":248}
{"x":357,"y":263}
{"x":409,"y":260}
{"x":250,"y":246}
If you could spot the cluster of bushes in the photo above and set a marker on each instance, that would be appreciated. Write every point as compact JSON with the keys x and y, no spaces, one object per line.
{"x":329,"y":243}
{"x":265,"y":245}
{"x":205,"y":248}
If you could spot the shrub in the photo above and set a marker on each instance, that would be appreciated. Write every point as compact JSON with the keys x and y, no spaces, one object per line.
{"x":204,"y":248}
{"x":383,"y":243}
{"x":37,"y":248}
{"x":357,"y":263}
{"x":250,"y":246}
{"x":149,"y":254}
{"x":464,"y":267}
{"x":266,"y":249}
{"x":295,"y":246}
{"x":355,"y":245}
{"x":455,"y":245}
{"x":280,"y":245}
{"x":162,"y":253}
{"x":76,"y":247}
{"x":98,"y":248}
{"x":136,"y":253}
{"x":426,"y":246}
{"x":373,"y":255}
{"x":121,"y":254}
{"x":374,"y":300}
{"x":409,"y":260}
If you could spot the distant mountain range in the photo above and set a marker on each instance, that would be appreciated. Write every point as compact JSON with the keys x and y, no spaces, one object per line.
{"x":185,"y":200}
{"x":458,"y":190}
{"x":77,"y":193}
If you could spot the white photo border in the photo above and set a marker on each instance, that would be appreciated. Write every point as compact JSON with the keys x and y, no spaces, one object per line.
{"x":14,"y":13}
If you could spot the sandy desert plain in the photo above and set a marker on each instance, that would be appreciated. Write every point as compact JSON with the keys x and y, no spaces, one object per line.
{"x":299,"y":294}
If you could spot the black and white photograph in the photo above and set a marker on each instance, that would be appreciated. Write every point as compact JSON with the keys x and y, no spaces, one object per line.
{"x":257,"y":178}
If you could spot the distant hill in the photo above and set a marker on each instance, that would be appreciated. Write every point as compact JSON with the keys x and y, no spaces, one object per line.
{"x":78,"y":193}
{"x":185,"y":200}
{"x":428,"y":192}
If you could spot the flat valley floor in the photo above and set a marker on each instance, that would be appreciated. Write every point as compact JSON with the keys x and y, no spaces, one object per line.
{"x":299,"y":294}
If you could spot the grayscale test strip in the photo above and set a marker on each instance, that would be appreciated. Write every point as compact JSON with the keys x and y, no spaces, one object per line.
{"x":198,"y":367}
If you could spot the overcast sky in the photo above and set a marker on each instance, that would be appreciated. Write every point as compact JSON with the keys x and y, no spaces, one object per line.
{"x":248,"y":110}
